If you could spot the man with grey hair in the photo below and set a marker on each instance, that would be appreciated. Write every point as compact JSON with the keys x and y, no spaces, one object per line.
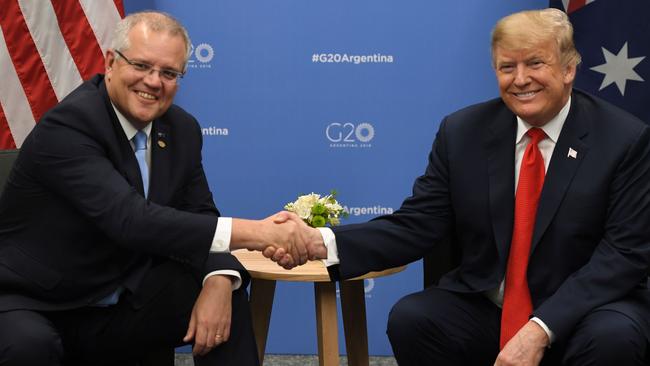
{"x":545,"y":193}
{"x":111,"y":246}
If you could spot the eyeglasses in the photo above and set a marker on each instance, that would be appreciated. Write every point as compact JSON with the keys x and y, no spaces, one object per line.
{"x":166,"y":75}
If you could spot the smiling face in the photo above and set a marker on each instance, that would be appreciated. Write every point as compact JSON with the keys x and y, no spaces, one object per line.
{"x":533,"y":82}
{"x":142,"y":97}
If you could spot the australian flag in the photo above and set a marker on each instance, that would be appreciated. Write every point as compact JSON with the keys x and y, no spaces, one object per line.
{"x":613,"y":37}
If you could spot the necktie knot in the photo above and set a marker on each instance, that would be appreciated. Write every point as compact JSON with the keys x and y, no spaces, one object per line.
{"x":140,"y":141}
{"x":536,"y":135}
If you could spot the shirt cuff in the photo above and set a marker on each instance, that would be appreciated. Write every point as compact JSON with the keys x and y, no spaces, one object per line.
{"x":330,"y":243}
{"x":235,"y":277}
{"x":221,"y":239}
{"x":549,"y":332}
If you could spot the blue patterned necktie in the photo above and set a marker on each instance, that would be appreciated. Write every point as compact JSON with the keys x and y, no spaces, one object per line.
{"x":140,"y":142}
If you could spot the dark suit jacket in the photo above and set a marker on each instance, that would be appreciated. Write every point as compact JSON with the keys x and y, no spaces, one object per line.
{"x":591,"y":244}
{"x":73,"y":221}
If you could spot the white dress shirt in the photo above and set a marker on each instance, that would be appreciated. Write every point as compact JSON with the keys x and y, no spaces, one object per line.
{"x":546,"y":147}
{"x":222,"y":234}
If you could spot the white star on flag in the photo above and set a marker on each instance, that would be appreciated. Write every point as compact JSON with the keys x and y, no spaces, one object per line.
{"x":618,"y":69}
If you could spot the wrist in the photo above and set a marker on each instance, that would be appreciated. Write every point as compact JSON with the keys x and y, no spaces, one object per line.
{"x":324,"y":246}
{"x":541,"y":336}
{"x":218,"y":281}
{"x":248,"y":234}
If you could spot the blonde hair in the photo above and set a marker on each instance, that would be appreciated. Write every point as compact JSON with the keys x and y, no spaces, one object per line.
{"x":155,"y":21}
{"x":527,"y":29}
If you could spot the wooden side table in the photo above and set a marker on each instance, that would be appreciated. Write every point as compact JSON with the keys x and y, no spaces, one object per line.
{"x":265,"y":273}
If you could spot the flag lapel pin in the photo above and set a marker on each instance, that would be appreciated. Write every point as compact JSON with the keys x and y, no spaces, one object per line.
{"x":572,"y":154}
{"x":161,"y":140}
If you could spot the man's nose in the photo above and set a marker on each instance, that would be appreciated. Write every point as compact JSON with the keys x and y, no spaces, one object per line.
{"x":152,"y":78}
{"x":521,"y":75}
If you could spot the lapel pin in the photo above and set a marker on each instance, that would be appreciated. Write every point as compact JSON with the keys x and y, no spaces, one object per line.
{"x":162,"y":144}
{"x":572,"y":154}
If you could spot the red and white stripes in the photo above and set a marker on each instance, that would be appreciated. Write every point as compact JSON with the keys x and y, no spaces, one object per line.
{"x":46,"y":49}
{"x":572,"y":5}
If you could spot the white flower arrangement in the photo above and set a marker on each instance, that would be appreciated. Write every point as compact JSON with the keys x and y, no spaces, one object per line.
{"x":317,"y":211}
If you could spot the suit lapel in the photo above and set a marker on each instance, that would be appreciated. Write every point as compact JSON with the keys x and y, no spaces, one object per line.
{"x":500,"y":152}
{"x":125,"y":159}
{"x":569,"y":152}
{"x":160,"y":161}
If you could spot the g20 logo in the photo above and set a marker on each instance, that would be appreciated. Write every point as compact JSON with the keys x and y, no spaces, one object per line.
{"x":203,"y":53}
{"x":349,"y":133}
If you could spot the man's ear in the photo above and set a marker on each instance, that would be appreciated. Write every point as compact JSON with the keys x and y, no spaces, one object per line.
{"x":109,"y":60}
{"x":570,"y":73}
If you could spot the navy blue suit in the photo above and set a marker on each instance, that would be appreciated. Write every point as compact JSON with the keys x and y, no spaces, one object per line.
{"x":591,"y":242}
{"x":74,"y":225}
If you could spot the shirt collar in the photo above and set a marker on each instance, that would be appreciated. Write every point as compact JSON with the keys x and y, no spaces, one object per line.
{"x":128,"y":128}
{"x":552,"y":128}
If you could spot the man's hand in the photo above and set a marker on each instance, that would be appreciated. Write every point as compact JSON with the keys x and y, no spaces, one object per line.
{"x":310,"y":237}
{"x":291,"y":238}
{"x":210,"y":321}
{"x":526,"y":348}
{"x":278,"y":231}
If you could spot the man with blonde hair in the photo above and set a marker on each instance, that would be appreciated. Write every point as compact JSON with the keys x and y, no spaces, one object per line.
{"x":545,"y":193}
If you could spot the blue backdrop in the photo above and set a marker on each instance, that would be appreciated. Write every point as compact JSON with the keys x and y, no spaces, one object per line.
{"x":296,"y":96}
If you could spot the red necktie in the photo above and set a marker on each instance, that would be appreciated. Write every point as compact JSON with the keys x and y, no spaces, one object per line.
{"x":517,"y":305}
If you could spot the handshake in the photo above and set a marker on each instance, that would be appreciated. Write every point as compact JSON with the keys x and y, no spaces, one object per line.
{"x":283,"y":237}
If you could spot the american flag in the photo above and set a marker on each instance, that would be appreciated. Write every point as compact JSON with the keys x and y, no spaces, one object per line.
{"x":47,"y":48}
{"x":613,"y":37}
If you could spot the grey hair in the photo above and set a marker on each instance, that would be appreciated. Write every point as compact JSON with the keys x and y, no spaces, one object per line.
{"x":155,"y":21}
{"x":527,"y":29}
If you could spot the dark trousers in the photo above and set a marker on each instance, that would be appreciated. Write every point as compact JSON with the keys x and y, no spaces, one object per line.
{"x":127,"y":331}
{"x":438,"y":327}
